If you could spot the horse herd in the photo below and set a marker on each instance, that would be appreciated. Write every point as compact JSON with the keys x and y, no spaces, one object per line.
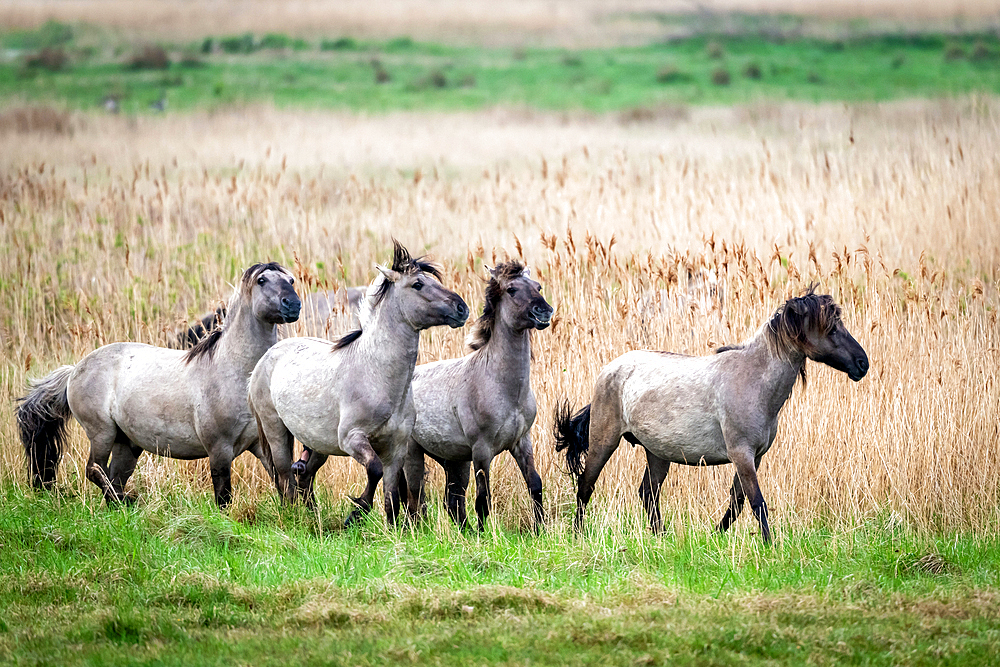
{"x":240,"y":388}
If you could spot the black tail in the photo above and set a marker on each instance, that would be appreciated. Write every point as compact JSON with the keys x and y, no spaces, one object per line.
{"x":41,"y":419}
{"x":572,"y":433}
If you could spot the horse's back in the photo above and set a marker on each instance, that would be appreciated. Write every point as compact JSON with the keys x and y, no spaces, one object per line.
{"x":669,"y":402}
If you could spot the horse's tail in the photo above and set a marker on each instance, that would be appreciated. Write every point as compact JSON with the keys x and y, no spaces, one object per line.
{"x":41,"y":419}
{"x":572,"y":433}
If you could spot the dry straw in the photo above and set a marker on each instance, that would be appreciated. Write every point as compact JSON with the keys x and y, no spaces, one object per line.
{"x":679,"y":238}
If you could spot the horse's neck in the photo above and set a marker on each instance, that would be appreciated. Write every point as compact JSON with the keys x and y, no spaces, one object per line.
{"x":507,"y":356}
{"x":245,"y":338}
{"x":389,"y":344}
{"x":775,"y":374}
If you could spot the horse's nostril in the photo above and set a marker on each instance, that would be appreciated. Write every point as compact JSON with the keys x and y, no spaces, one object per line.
{"x":863,"y":364}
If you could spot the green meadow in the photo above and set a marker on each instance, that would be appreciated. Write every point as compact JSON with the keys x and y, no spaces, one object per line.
{"x":78,"y":69}
{"x":174,"y":581}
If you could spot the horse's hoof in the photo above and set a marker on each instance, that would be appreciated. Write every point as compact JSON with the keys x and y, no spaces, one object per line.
{"x":352,"y":519}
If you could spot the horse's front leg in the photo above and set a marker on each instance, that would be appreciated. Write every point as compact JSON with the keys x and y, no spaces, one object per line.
{"x":745,"y":485}
{"x":356,"y":444}
{"x":391,"y":482}
{"x":525,"y":458}
{"x":482,"y":457}
{"x":220,"y":463}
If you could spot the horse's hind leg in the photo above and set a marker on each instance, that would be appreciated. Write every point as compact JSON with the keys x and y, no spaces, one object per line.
{"x":649,"y":490}
{"x":525,"y":457}
{"x":305,"y":481}
{"x":605,"y":435}
{"x":102,"y":443}
{"x":124,"y":457}
{"x":456,"y":481}
{"x":275,"y":442}
{"x":413,"y":477}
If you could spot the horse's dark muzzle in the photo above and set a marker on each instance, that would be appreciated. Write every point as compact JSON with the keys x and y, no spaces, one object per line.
{"x":860,"y":368}
{"x":460,"y":315}
{"x":290,"y":309}
{"x":542,"y":315}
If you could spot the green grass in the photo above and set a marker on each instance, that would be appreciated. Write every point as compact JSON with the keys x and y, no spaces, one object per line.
{"x":173,"y":581}
{"x":341,"y":73}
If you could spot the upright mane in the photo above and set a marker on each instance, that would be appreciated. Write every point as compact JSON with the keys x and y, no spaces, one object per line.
{"x":482,"y":330}
{"x":402,"y":263}
{"x":206,"y":346}
{"x":786,"y":331}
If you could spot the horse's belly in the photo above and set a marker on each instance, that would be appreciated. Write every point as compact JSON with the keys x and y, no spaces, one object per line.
{"x":441,"y":436}
{"x":685,"y":442}
{"x":160,"y":424}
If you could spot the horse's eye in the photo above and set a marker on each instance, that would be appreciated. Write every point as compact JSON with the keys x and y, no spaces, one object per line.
{"x":512,"y":291}
{"x":261,"y":280}
{"x":291,"y":281}
{"x":418,"y":285}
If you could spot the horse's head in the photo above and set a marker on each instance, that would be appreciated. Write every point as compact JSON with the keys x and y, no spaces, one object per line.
{"x":516,"y":298}
{"x":271,"y":293}
{"x":812,"y":323}
{"x":415,"y":287}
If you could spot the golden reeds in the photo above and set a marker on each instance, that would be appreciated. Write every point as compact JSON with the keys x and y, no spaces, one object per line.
{"x":680,"y":238}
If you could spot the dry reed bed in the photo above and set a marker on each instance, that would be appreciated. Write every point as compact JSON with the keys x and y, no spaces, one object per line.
{"x":108,"y":236}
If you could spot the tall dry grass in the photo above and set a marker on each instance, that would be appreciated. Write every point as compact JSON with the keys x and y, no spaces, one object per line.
{"x":128,"y":226}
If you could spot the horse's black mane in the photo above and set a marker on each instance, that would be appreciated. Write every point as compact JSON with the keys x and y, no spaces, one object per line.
{"x":347,"y":339}
{"x":788,"y":327}
{"x":482,"y":330}
{"x":206,"y":346}
{"x":402,"y":263}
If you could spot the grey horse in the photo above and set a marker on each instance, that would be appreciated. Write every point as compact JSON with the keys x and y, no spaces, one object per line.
{"x":353,"y":397}
{"x":131,"y":397}
{"x":707,"y":410}
{"x":475,"y":407}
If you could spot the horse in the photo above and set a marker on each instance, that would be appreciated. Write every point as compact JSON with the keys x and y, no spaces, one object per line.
{"x":131,"y":397}
{"x":705,"y":410}
{"x":321,"y":312}
{"x":475,"y":407}
{"x":352,"y":397}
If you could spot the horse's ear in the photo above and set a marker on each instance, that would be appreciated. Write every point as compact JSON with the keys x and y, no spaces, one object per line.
{"x":390,"y":275}
{"x":491,"y":269}
{"x":526,"y":272}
